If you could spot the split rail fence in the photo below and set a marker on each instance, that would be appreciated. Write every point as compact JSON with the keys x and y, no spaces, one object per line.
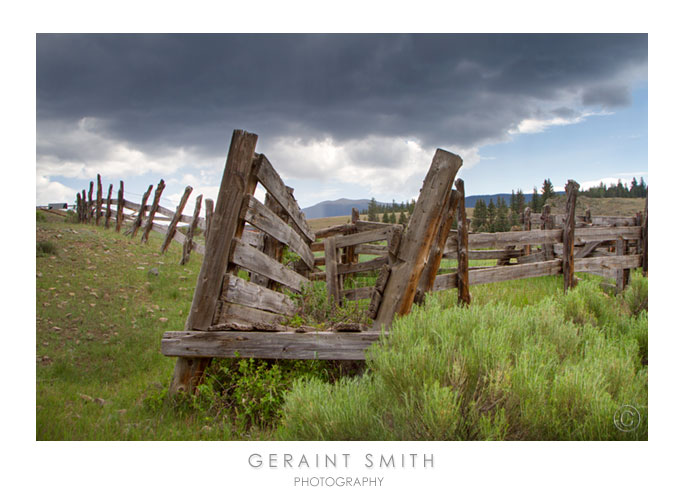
{"x":231,"y":314}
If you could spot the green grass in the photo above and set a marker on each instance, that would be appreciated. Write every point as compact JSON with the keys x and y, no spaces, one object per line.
{"x":551,"y":367}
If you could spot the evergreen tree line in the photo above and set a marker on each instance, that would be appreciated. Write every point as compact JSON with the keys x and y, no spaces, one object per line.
{"x":620,"y":190}
{"x":389,"y":213}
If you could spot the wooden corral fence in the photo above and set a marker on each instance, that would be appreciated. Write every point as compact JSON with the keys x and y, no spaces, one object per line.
{"x":232,"y":315}
{"x":144,"y":217}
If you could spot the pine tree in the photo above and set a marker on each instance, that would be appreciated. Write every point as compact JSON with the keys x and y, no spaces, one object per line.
{"x":385,"y":217}
{"x":372,"y":210}
{"x":536,"y":204}
{"x":491,"y":216}
{"x":479,"y":217}
{"x":402,"y":219}
{"x":546,"y":192}
{"x":392,"y":218}
{"x":501,"y":222}
{"x":521,"y":202}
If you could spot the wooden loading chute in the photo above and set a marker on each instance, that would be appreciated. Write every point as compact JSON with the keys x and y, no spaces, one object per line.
{"x":230,"y":314}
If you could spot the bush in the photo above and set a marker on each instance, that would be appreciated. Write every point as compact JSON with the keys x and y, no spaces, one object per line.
{"x":556,"y":370}
{"x":45,"y":248}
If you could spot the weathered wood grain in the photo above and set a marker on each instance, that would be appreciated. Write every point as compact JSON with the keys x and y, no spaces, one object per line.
{"x":644,"y":238}
{"x":583,"y":235}
{"x":536,"y":256}
{"x":622,"y":275}
{"x":370,"y":249}
{"x":208,"y":216}
{"x":137,"y":223}
{"x":360,"y":267}
{"x":571,"y":191}
{"x":272,"y":182}
{"x":609,"y":263}
{"x":527,"y":227}
{"x":239,"y":291}
{"x":267,"y":221}
{"x":176,"y":218}
{"x":547,"y":223}
{"x":90,"y":201}
{"x":518,"y":271}
{"x":463,"y":274}
{"x":485,"y":255}
{"x":152,"y":211}
{"x":446,"y":281}
{"x":252,"y":259}
{"x":436,"y":251}
{"x":235,"y":183}
{"x":187,"y":245}
{"x":98,"y":205}
{"x":364,"y":237}
{"x":324,"y":345}
{"x":228,"y":313}
{"x":586,"y":250}
{"x":339,"y":229}
{"x":372,"y":225}
{"x":331,"y":275}
{"x":493,"y":240}
{"x":418,"y":237}
{"x":108,"y":212}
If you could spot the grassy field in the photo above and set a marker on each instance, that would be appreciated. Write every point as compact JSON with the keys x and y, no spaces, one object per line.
{"x":523,"y":362}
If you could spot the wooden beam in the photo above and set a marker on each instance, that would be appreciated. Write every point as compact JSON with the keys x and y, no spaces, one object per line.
{"x":527,"y":227}
{"x":417,"y":239}
{"x":516,"y":272}
{"x":338,"y":229}
{"x":324,"y":345}
{"x":571,"y":190}
{"x":331,"y":275}
{"x":223,"y":228}
{"x":208,"y":216}
{"x":258,"y":215}
{"x":622,"y":275}
{"x":108,"y":213}
{"x":239,"y":291}
{"x":141,"y":212}
{"x":360,"y":267}
{"x":506,"y":238}
{"x":463,"y":278}
{"x":272,"y":182}
{"x":253,"y":259}
{"x":176,"y":218}
{"x":152,"y":212}
{"x":90,"y":201}
{"x":187,"y":246}
{"x":98,"y":205}
{"x":547,"y":223}
{"x":644,"y":238}
{"x":375,"y":235}
{"x":607,"y":263}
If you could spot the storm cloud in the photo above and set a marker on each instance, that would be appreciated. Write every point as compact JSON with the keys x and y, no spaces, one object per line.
{"x":174,"y":96}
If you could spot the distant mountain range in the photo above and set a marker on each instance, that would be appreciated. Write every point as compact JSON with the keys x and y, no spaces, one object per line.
{"x":343,"y":206}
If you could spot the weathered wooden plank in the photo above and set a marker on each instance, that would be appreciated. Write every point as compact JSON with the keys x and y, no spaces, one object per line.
{"x":108,"y":212}
{"x":436,"y":251}
{"x":272,"y":247}
{"x":417,"y":239}
{"x":644,"y":238}
{"x":252,"y":259}
{"x":225,"y":224}
{"x":239,"y":291}
{"x":228,"y":313}
{"x":137,"y":223}
{"x":272,"y":182}
{"x":610,"y":263}
{"x":208,"y":216}
{"x":264,"y":219}
{"x":339,"y":229}
{"x":360,"y":267}
{"x":586,"y":250}
{"x":547,"y":223}
{"x":318,"y":276}
{"x":527,"y":227}
{"x":446,"y":281}
{"x":533,"y":237}
{"x":317,"y":246}
{"x":463,"y":274}
{"x":536,"y":256}
{"x":622,"y":275}
{"x":90,"y":201}
{"x":358,"y":293}
{"x":372,"y":225}
{"x":516,"y":272}
{"x":331,"y":275}
{"x":98,"y":205}
{"x":605,"y":234}
{"x":175,"y":219}
{"x":152,"y":211}
{"x":485,"y":255}
{"x":325,"y":345}
{"x":370,"y":249}
{"x":364,"y":237}
{"x":187,"y":246}
{"x":571,"y":191}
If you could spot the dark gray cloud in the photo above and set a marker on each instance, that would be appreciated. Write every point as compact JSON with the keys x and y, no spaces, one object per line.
{"x":192,"y":90}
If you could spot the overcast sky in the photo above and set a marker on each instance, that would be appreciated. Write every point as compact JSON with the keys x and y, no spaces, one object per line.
{"x":349,"y":116}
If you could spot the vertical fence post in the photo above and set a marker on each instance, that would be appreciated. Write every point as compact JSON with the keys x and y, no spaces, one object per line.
{"x":622,"y":275}
{"x":98,"y":204}
{"x":237,"y":181}
{"x":355,"y":217}
{"x":571,"y":190}
{"x":588,"y":217}
{"x":464,"y":296}
{"x":187,"y":244}
{"x":527,"y":227}
{"x":208,"y":216}
{"x":418,"y":237}
{"x":84,"y":207}
{"x":90,"y":202}
{"x":152,"y":212}
{"x":332,"y":277}
{"x":108,"y":214}
{"x":176,"y":218}
{"x":119,"y":208}
{"x":79,"y":207}
{"x":547,"y":223}
{"x":137,"y":223}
